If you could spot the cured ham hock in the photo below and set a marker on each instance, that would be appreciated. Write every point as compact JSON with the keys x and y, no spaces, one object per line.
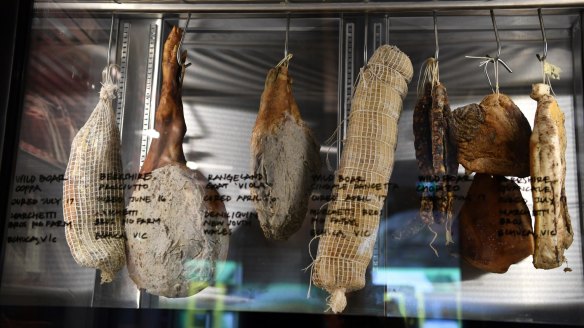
{"x":172,"y":251}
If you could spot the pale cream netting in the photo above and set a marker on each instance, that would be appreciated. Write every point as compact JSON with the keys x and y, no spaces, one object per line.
{"x":96,"y":150}
{"x":347,"y":243}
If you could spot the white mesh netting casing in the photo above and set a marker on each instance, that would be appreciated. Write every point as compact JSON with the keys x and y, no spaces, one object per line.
{"x":346,"y":245}
{"x":95,"y":212}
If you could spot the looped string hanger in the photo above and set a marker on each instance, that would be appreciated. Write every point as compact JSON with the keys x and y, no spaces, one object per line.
{"x":109,"y":75}
{"x":543,"y":57}
{"x":485,"y":60}
{"x":284,"y":62}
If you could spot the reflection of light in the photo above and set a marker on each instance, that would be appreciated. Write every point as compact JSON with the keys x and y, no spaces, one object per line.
{"x":395,"y":277}
{"x":198,"y":165}
{"x":328,"y":149}
{"x":441,"y":324}
{"x":151,"y":133}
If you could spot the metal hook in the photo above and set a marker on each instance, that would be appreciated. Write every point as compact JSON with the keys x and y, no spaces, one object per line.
{"x":545,"y":44}
{"x":365,"y":44}
{"x":178,"y":51}
{"x":496,"y":34}
{"x":109,"y":45}
{"x":485,"y":60}
{"x":436,"y":35}
{"x":287,"y":33}
{"x":387,"y":28}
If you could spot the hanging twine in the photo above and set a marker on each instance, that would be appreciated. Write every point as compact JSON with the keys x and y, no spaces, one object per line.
{"x":485,"y":60}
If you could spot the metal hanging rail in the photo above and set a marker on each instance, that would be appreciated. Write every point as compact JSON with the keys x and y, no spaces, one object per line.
{"x":315,"y":7}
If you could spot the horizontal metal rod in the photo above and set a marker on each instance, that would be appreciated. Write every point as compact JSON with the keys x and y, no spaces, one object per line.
{"x":315,"y":7}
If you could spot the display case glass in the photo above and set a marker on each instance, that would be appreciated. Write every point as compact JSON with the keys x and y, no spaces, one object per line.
{"x":231,"y":46}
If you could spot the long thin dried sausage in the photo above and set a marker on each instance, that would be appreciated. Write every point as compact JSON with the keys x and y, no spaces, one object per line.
{"x":423,"y":146}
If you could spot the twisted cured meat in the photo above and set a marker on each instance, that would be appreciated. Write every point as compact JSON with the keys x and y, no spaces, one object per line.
{"x":423,"y":146}
{"x":444,"y":152}
{"x":436,"y":153}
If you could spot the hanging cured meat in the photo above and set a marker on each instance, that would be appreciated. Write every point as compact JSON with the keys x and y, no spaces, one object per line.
{"x":95,"y":230}
{"x":285,"y":157}
{"x":423,"y":146}
{"x":346,"y":246}
{"x":172,"y":250}
{"x":493,"y":137}
{"x":495,"y":224}
{"x":436,"y":151}
{"x":553,"y":229}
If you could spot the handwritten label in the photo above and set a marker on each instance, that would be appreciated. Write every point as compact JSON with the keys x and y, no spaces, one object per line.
{"x":340,"y":233}
{"x":342,"y":191}
{"x":35,"y":240}
{"x":219,"y":231}
{"x":328,"y":182}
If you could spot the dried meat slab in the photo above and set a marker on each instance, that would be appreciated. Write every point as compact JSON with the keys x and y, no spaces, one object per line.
{"x":495,"y":224}
{"x":493,"y":137}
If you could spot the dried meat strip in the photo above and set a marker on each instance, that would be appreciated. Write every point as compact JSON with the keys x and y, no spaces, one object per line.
{"x":423,"y":146}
